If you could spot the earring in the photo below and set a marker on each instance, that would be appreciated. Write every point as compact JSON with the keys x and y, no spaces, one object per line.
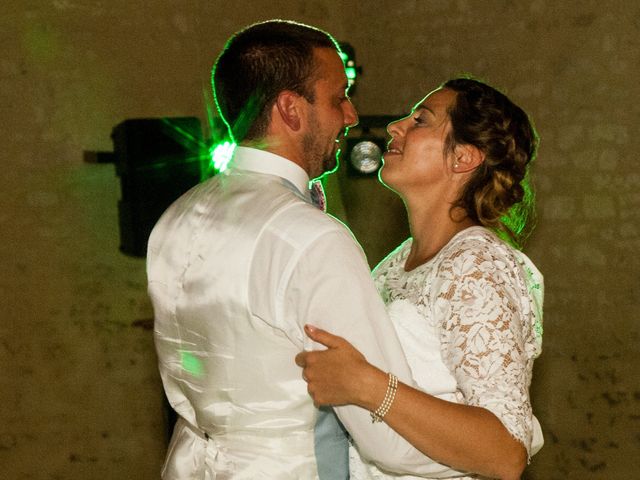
{"x":455,"y":165}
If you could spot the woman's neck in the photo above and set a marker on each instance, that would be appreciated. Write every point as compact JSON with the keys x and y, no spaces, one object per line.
{"x":432,"y":227}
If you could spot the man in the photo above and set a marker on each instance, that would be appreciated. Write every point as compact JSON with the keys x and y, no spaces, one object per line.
{"x":240,"y":263}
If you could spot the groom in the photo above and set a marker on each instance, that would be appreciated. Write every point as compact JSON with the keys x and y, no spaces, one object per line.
{"x":240,"y":263}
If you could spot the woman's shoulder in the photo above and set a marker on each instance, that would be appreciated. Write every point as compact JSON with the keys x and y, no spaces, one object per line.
{"x":479,"y":245}
{"x":484,"y":248}
{"x":476,"y":254}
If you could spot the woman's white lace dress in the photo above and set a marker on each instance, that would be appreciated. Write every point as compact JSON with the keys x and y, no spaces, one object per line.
{"x":470,"y":322}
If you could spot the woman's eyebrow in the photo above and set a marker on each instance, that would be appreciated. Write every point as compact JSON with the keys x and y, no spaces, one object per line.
{"x":423,"y":107}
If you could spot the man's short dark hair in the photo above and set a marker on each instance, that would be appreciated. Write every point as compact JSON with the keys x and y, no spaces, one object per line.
{"x":257,"y":64}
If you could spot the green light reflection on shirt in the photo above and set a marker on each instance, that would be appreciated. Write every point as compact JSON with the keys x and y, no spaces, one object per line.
{"x":191,"y":363}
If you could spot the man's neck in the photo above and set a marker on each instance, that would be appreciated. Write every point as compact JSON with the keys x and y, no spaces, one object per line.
{"x":277,"y":147}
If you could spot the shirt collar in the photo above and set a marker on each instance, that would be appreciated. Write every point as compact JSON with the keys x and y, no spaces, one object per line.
{"x":261,"y":161}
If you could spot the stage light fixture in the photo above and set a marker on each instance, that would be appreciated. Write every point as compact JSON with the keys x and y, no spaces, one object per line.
{"x":365,"y":144}
{"x":365,"y":154}
{"x":221,"y":154}
{"x":220,"y":148}
{"x":348,"y":55}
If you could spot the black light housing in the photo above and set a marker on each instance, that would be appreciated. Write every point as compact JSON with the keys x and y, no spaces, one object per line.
{"x":157,"y":160}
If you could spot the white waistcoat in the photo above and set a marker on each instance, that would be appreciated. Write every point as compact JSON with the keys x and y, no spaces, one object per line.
{"x":228,"y":374}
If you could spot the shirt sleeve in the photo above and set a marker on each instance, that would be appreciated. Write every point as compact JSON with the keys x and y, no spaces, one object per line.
{"x":331,"y":287}
{"x":478,"y":304}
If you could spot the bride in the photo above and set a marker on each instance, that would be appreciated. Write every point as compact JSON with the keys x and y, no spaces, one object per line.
{"x":465,"y":301}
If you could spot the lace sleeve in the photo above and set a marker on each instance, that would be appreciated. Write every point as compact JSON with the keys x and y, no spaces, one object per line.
{"x":484,"y":333}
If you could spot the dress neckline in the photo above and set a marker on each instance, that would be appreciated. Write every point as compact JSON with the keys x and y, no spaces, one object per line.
{"x":406,"y":248}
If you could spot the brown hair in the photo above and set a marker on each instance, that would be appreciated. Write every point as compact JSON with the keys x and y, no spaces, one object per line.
{"x":498,"y":195}
{"x":257,"y":64}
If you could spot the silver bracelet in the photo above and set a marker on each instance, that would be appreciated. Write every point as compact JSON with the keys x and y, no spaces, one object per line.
{"x":389,"y":397}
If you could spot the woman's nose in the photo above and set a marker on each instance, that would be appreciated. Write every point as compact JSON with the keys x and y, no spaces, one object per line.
{"x":394,"y":127}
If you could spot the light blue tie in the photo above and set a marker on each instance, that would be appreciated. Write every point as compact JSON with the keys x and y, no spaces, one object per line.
{"x":332,"y":446}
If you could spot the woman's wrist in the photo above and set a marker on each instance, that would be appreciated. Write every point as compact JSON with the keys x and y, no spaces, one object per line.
{"x":379,"y":413}
{"x":372,"y":388}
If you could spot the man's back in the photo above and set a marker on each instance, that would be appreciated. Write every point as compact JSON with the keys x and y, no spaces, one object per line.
{"x":225,"y":352}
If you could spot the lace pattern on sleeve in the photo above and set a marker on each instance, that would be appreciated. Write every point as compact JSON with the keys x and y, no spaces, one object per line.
{"x":488,"y":334}
{"x":480,"y":301}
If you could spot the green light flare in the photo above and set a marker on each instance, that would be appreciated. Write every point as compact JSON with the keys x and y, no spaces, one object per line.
{"x":349,"y":67}
{"x":197,"y":147}
{"x":185,"y":138}
{"x":191,"y":364}
{"x":221,"y":155}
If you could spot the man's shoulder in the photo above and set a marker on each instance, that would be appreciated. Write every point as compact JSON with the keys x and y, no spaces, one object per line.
{"x":303,"y":224}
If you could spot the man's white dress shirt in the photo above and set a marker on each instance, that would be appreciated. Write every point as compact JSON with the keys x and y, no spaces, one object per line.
{"x":236,"y":267}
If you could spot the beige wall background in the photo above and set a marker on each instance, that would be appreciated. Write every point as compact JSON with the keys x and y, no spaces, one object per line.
{"x":79,"y":393}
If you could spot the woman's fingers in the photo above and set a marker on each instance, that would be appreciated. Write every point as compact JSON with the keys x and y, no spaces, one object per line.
{"x":329,"y":373}
{"x":301,"y":359}
{"x":323,"y":337}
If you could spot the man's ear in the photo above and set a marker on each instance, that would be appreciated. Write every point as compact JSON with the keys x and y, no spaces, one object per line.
{"x":289,"y":106}
{"x":467,"y":158}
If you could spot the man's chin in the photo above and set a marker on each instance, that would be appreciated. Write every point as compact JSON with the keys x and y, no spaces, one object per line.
{"x":331,"y":168}
{"x":331,"y":163}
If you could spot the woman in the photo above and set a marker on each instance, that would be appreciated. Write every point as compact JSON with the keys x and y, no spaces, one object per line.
{"x":465,"y":303}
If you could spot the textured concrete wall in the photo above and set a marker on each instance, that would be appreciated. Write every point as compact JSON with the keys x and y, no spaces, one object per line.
{"x":79,"y":392}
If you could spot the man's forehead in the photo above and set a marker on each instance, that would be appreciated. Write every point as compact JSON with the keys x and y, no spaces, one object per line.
{"x":328,"y":62}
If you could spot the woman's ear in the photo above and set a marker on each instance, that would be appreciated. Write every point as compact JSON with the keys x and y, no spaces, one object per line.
{"x":288,"y":104}
{"x":466,"y":158}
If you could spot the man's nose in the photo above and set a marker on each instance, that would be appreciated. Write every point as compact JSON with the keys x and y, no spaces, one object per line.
{"x":350,"y":115}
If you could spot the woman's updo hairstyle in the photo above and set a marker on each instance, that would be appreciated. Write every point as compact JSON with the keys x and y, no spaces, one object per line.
{"x":498,"y":195}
